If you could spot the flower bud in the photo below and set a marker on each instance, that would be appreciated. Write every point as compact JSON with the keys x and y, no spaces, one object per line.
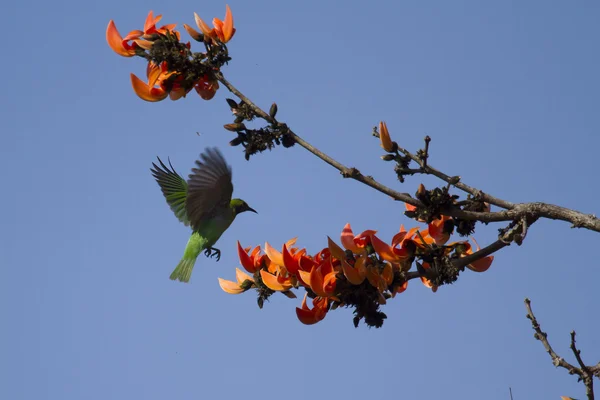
{"x":273,"y":110}
{"x":421,"y":192}
{"x":384,"y":138}
{"x":236,"y":142}
{"x":232,"y":104}
{"x":235,"y":127}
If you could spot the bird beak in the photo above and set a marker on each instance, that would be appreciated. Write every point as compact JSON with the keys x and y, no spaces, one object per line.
{"x":252,"y":209}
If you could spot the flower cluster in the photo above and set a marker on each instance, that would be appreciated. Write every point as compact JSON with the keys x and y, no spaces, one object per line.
{"x":173,"y":70}
{"x":363,"y":273}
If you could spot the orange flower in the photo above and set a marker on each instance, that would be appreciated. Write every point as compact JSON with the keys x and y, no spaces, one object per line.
{"x":223,"y":31}
{"x":402,"y":236}
{"x":441,"y":229}
{"x":319,"y":311}
{"x":150,"y":26}
{"x":170,"y":84}
{"x":123,"y":47}
{"x":358,"y":242}
{"x":244,"y":282}
{"x":120,"y":45}
{"x":321,"y":279}
{"x":156,"y":75}
{"x":279,"y":283}
{"x":394,"y":254}
{"x":384,"y":138}
{"x":481,"y":265}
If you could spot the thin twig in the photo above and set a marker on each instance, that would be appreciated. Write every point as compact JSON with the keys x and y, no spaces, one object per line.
{"x":457,"y":183}
{"x":425,"y":153}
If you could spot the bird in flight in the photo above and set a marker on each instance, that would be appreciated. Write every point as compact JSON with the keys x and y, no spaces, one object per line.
{"x":203,"y":202}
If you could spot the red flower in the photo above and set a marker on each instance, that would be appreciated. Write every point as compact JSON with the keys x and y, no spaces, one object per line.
{"x":318,"y":312}
{"x":251,"y":262}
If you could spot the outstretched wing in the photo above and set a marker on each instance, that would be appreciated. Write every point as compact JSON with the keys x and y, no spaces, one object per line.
{"x":173,"y":187}
{"x":210,"y":187}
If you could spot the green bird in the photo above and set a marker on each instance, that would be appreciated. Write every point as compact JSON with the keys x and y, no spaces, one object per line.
{"x":203,"y":202}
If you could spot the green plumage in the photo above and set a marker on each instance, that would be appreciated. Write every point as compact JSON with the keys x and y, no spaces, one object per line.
{"x":203,"y":202}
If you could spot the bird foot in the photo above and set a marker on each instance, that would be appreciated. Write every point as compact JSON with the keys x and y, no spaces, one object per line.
{"x":212,"y":252}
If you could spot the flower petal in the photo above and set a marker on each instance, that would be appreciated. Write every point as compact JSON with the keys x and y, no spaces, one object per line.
{"x":206,"y":87}
{"x":192,"y":32}
{"x":384,"y":138}
{"x":383,"y":249}
{"x":146,"y":92}
{"x":202,"y":25}
{"x":304,"y":277}
{"x":230,"y":287}
{"x":290,"y":243}
{"x":144,"y":44}
{"x":307,"y":317}
{"x":319,"y":311}
{"x":290,"y":263}
{"x":228,"y":29}
{"x":115,"y":41}
{"x":272,"y":282}
{"x":481,"y":265}
{"x":241,"y":276}
{"x":306,"y":263}
{"x":355,"y":275}
{"x":246,"y":260}
{"x":336,"y":251}
{"x":274,"y":255}
{"x":388,"y":274}
{"x":347,"y":239}
{"x":153,"y":72}
{"x":316,"y":282}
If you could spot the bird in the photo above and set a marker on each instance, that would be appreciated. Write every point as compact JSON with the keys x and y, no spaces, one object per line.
{"x":203,"y":202}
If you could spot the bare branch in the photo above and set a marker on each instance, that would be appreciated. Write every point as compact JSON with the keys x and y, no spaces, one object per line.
{"x":428,"y":169}
{"x":585,"y":373}
{"x":512,"y":211}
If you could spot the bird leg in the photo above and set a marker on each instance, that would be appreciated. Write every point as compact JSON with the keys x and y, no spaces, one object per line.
{"x":209,"y":253}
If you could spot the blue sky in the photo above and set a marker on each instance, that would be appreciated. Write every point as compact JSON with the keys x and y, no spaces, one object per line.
{"x":507,"y":90}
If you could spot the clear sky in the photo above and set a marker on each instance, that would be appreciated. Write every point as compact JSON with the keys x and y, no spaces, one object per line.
{"x":507,"y":90}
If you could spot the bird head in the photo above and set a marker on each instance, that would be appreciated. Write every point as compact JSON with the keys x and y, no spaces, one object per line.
{"x":240,"y":206}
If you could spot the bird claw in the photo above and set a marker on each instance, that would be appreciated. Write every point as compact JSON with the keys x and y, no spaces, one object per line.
{"x":209,"y":253}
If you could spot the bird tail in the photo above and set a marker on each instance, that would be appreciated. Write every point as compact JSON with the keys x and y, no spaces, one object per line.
{"x":183,"y":271}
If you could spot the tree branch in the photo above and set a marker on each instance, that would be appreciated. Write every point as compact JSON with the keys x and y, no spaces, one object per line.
{"x":585,"y":373}
{"x":512,"y":211}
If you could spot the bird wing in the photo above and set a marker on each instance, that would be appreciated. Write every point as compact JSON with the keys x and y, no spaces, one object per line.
{"x":174,"y":188}
{"x":210,"y":187}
